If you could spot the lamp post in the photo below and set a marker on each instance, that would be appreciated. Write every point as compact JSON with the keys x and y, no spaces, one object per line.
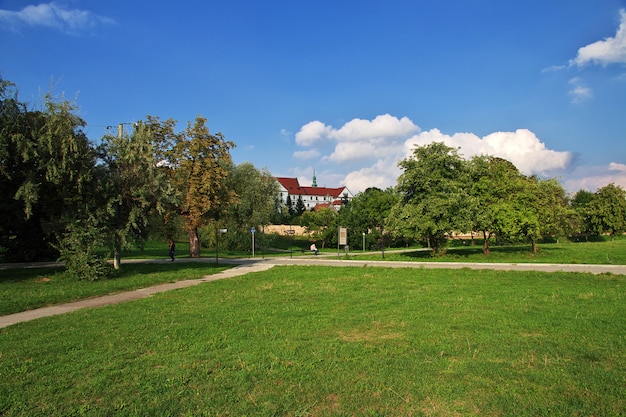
{"x":218,"y":232}
{"x":363,"y":241}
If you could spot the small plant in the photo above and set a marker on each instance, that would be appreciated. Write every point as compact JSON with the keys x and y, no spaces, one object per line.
{"x":77,"y":250}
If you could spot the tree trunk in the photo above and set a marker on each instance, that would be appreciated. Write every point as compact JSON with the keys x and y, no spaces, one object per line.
{"x":486,"y":250}
{"x":534,"y":246}
{"x":194,"y":243}
{"x":116,"y":259}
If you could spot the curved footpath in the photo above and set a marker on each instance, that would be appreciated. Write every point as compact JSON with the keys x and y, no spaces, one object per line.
{"x":244,"y":266}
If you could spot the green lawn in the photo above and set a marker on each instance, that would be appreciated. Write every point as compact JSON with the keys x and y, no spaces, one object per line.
{"x":564,"y":252}
{"x":26,"y":289}
{"x":302,"y":341}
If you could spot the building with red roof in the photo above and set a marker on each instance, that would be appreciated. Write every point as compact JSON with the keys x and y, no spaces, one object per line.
{"x":313,"y":197}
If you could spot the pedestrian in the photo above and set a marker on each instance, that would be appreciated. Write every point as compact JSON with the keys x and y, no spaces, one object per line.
{"x":172,"y":249}
{"x":314,"y":248}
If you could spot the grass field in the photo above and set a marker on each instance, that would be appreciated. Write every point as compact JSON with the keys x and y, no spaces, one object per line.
{"x":25,"y":289}
{"x":301,"y":341}
{"x":564,"y":252}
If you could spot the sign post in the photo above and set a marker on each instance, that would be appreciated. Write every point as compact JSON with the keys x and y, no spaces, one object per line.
{"x":252,"y":232}
{"x":342,"y":237}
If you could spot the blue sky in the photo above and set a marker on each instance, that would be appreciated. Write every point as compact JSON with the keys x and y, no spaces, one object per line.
{"x":345,"y":88}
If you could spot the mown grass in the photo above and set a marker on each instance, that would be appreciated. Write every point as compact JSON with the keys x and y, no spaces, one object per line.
{"x":26,"y":289}
{"x":563,"y":252}
{"x":300,"y":341}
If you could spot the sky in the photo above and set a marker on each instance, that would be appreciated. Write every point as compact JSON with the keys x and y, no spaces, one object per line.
{"x":340,"y":88}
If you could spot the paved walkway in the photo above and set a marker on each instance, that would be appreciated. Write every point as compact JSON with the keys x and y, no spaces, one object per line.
{"x":245,"y":266}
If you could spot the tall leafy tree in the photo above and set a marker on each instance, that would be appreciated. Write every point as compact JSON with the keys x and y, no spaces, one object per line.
{"x":199,"y":163}
{"x":321,"y":224}
{"x":433,"y":201}
{"x":45,"y":175}
{"x":132,"y":186}
{"x":367,"y":213}
{"x":497,"y":205}
{"x":581,"y":204}
{"x":254,"y":204}
{"x":608,"y":211}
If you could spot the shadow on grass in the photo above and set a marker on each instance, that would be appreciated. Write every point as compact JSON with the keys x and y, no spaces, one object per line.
{"x":477,"y":251}
{"x":127,"y":270}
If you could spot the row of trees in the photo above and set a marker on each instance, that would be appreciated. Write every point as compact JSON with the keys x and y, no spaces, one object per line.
{"x":440,"y":194}
{"x":64,"y":195}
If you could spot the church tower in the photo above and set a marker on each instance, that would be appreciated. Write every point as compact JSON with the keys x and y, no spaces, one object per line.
{"x":314,"y":185}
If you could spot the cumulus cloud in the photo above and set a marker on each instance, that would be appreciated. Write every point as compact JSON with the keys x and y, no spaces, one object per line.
{"x":54,"y":16}
{"x":604,"y":52}
{"x":595,"y":177}
{"x":369,"y":151}
{"x":312,"y":133}
{"x":522,"y":148}
{"x":359,"y":139}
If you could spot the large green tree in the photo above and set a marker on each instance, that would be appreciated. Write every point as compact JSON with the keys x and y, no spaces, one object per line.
{"x":367,"y":213}
{"x":433,"y":201}
{"x":46,"y":167}
{"x":254,"y":205}
{"x":199,"y":162}
{"x":607,"y":211}
{"x":132,"y":185}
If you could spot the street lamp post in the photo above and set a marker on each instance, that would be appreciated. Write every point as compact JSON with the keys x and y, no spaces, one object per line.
{"x":218,"y":232}
{"x":363,"y":241}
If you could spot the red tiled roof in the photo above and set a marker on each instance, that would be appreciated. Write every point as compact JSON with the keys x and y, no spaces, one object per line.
{"x":293,"y":187}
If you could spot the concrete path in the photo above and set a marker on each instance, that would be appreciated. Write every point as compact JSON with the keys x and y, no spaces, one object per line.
{"x":245,"y":266}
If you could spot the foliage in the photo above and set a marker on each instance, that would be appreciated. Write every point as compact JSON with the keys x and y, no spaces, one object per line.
{"x":254,"y":206}
{"x":78,"y":251}
{"x":199,"y":164}
{"x":434,"y":202}
{"x":367,"y":213}
{"x":322,"y":225}
{"x":40,"y":199}
{"x":131,"y":186}
{"x":607,"y":211}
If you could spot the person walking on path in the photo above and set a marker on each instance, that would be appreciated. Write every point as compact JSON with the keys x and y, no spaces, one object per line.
{"x":172,"y":249}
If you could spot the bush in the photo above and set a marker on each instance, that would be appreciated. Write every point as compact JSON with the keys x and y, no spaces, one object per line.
{"x":77,"y":250}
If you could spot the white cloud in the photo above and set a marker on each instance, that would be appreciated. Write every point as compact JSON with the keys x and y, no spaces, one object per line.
{"x":369,"y":151}
{"x":579,"y":92}
{"x":383,"y":174}
{"x":52,"y":15}
{"x":383,"y":126}
{"x":310,"y":154}
{"x":312,"y":133}
{"x":521,"y":147}
{"x":595,"y":177}
{"x":607,"y":51}
{"x":614,"y":166}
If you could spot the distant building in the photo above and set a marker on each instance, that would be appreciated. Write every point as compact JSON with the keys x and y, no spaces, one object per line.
{"x":313,"y":197}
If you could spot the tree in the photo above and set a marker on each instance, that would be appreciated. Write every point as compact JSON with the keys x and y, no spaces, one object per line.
{"x":46,"y":167}
{"x":200,"y":162}
{"x":131,"y":186}
{"x":321,"y":224}
{"x":433,"y":202}
{"x":367,"y":213}
{"x":608,"y":211}
{"x":254,"y":206}
{"x":300,"y":208}
{"x":492,"y":185}
{"x":581,"y":203}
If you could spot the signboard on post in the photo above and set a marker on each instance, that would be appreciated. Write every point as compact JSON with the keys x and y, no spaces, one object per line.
{"x":343,"y":236}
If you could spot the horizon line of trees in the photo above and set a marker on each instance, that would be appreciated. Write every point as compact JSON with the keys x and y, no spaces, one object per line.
{"x":66,"y":197}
